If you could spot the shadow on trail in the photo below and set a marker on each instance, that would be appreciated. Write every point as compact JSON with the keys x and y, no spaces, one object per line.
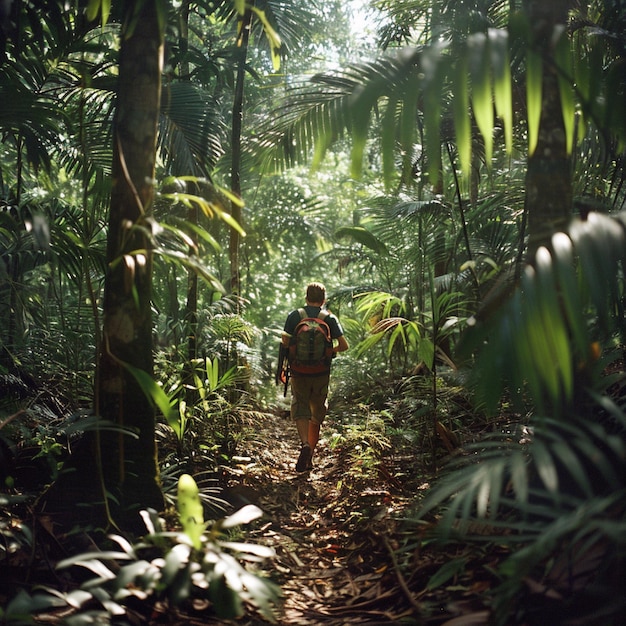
{"x":331,"y":528}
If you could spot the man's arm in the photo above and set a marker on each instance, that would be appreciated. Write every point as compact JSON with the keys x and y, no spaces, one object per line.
{"x":341,"y":344}
{"x":288,"y":329}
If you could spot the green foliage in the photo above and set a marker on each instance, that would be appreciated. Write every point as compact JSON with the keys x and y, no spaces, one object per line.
{"x":413,"y":341}
{"x":208,"y":396}
{"x":190,"y":511}
{"x":416,"y":91}
{"x":542,"y":336}
{"x":558,"y":482}
{"x":170,"y":568}
{"x":365,"y":440}
{"x":421,"y":259}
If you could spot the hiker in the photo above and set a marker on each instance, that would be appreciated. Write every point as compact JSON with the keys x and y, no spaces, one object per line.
{"x":310,"y":377}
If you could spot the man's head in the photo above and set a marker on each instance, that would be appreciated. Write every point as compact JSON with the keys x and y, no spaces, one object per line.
{"x":316,"y":294}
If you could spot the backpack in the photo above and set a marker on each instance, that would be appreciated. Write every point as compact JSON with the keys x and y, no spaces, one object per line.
{"x":311,"y":346}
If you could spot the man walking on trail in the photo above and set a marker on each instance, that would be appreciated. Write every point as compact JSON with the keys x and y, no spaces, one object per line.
{"x":309,"y":380}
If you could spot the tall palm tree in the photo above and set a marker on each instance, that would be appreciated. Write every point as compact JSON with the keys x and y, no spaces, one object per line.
{"x":272,"y":21}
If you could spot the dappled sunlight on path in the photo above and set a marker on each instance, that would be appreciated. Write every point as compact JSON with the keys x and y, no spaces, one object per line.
{"x":332,"y":529}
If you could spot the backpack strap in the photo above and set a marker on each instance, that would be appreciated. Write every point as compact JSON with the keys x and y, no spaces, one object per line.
{"x":322,"y":315}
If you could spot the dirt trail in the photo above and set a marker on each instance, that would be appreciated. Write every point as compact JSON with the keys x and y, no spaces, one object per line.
{"x":332,"y":528}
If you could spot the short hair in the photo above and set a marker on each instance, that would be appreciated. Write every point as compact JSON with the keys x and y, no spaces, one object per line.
{"x":316,"y":292}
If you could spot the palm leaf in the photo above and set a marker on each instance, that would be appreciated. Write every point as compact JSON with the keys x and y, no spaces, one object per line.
{"x":561,"y":482}
{"x":191,"y":130}
{"x":553,"y":343}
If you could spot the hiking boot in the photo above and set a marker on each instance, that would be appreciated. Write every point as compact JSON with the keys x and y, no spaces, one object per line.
{"x":304,"y":460}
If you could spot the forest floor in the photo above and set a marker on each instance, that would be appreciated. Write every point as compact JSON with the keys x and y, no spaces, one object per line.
{"x":348,"y":549}
{"x":348,"y":546}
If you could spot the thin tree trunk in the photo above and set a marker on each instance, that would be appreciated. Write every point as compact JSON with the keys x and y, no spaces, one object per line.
{"x":549,"y":177}
{"x":191,"y":307}
{"x":242,"y":48}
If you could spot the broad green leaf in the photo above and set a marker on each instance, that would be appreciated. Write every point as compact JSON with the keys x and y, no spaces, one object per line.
{"x":448,"y":570}
{"x":426,"y":352}
{"x":264,"y":552}
{"x":519,"y":476}
{"x":190,"y":511}
{"x":410,"y":99}
{"x":525,"y":352}
{"x":482,"y":100}
{"x":462,"y":121}
{"x":563,"y":258}
{"x":272,"y":37}
{"x":128,"y":574}
{"x":379,"y":304}
{"x":93,"y":8}
{"x":20,"y":608}
{"x":433,"y":63}
{"x":556,"y":332}
{"x":175,"y":560}
{"x":94,"y":565}
{"x":368,"y":343}
{"x":564,"y":68}
{"x":388,"y":141}
{"x":497,"y":480}
{"x":323,"y":141}
{"x":153,"y":391}
{"x":201,"y":232}
{"x":534,"y":94}
{"x":398,"y":333}
{"x":599,"y":241}
{"x":502,"y":85}
{"x":245,"y":515}
{"x":212,"y":373}
{"x":544,"y":464}
{"x":539,"y":334}
{"x":483,"y":492}
{"x":360,"y":112}
{"x":571,"y":461}
{"x":364,"y":237}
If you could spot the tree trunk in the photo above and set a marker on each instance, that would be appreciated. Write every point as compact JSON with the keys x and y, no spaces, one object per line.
{"x":235,"y":184}
{"x":117,"y":474}
{"x":130,"y":464}
{"x":549,"y":176}
{"x":191,"y":307}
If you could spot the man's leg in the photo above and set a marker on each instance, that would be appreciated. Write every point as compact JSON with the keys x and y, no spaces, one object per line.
{"x":304,"y":430}
{"x":319,"y":407}
{"x":300,"y":413}
{"x":313,"y":433}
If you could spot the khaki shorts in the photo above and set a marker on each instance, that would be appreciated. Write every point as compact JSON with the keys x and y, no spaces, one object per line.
{"x":309,"y":397}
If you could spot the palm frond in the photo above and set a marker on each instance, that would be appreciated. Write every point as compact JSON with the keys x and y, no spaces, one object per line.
{"x":541,"y":338}
{"x":318,"y":112}
{"x":191,"y":131}
{"x":556,"y":484}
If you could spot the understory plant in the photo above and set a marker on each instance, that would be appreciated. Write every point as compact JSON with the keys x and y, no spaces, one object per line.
{"x":421,"y":343}
{"x":200,"y":564}
{"x":205,"y":399}
{"x":552,"y":485}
